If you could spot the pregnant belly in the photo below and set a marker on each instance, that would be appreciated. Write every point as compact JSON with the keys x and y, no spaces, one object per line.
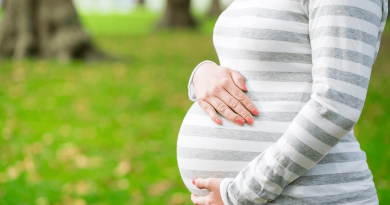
{"x":208,"y":150}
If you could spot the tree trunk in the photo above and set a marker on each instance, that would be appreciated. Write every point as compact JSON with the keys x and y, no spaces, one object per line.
{"x":177,"y":15}
{"x":141,"y":2}
{"x":215,"y":8}
{"x":44,"y":28}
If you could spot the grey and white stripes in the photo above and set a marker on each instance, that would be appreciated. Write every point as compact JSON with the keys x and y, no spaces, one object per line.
{"x":307,"y":65}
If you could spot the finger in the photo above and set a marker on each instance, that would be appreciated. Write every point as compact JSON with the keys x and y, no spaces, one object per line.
{"x":210,"y":111}
{"x":238,"y":79}
{"x":198,"y":200}
{"x":242,"y":98}
{"x":222,"y":108}
{"x":235,"y":105}
{"x":202,"y":183}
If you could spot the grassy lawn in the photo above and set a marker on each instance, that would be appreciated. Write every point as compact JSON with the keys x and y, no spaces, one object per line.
{"x":105,"y":132}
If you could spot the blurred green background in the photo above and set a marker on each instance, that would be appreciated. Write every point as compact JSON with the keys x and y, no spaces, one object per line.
{"x":105,"y":132}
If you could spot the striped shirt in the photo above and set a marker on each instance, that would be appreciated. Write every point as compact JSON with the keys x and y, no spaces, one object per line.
{"x":307,"y":65}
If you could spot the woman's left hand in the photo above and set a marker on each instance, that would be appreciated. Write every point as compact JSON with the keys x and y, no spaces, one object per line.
{"x":211,"y":184}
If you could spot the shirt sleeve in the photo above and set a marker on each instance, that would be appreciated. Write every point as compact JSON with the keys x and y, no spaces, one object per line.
{"x":191,"y":87}
{"x":344,"y":37}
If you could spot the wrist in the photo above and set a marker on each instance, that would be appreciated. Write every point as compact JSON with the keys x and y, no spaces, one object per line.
{"x":203,"y":64}
{"x":191,"y":88}
{"x":223,"y":188}
{"x":200,"y":68}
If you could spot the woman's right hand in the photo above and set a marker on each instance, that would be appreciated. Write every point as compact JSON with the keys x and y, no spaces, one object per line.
{"x":219,"y":88}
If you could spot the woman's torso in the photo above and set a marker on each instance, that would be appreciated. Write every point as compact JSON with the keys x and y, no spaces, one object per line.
{"x":267,"y":41}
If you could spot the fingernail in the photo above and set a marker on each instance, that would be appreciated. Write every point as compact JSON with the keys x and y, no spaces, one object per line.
{"x":240,"y":121}
{"x":255,"y":111}
{"x":219,"y":121}
{"x":249,"y":120}
{"x":194,"y":181}
{"x":244,"y":87}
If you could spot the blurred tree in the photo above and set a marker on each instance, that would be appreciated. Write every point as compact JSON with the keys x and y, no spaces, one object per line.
{"x":177,"y":14}
{"x":215,"y":8}
{"x":141,"y":2}
{"x":44,"y":28}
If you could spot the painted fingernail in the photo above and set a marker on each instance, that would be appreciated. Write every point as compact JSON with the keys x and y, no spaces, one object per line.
{"x":240,"y":121}
{"x":219,"y":121}
{"x":244,"y":87}
{"x":194,"y":181}
{"x":249,"y":120}
{"x":255,"y":111}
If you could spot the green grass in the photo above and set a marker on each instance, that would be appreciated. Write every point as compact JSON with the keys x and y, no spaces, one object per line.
{"x":138,"y":23}
{"x":105,"y":132}
{"x":100,"y":132}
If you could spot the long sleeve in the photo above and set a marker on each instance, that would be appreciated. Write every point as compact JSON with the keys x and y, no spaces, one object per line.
{"x":344,"y":37}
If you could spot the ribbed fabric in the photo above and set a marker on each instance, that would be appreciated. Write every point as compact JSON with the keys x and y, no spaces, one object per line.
{"x":307,"y":65}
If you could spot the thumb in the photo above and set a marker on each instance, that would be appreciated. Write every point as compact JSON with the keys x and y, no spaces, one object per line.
{"x":201,"y":183}
{"x":238,"y":79}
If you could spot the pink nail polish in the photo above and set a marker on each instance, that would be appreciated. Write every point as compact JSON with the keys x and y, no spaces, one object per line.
{"x":219,"y":121}
{"x":240,"y":121}
{"x":249,"y":120}
{"x":244,"y":87}
{"x":193,"y":181}
{"x":255,"y":111}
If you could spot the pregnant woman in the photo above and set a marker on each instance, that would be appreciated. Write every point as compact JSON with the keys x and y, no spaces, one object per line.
{"x":305,"y":67}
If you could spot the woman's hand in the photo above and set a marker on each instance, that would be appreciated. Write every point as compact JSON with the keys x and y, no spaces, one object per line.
{"x":222,"y":88}
{"x":212,"y":184}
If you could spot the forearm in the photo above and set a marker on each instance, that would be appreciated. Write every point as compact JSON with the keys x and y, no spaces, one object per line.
{"x":342,"y":59}
{"x":303,"y":145}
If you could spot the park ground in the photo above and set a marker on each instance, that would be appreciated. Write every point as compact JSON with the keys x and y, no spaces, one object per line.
{"x":105,"y":132}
